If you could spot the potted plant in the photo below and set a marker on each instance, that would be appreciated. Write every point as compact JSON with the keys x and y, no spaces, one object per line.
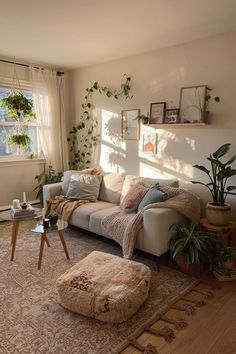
{"x":224,"y":260}
{"x":190,"y":247}
{"x":218,"y":212}
{"x":143,"y":119}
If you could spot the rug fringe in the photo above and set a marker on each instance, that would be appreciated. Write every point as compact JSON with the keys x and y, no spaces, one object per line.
{"x":149,"y":349}
{"x":179,"y":323}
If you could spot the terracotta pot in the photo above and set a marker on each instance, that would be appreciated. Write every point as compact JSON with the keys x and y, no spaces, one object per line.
{"x":190,"y":269}
{"x":218,"y":215}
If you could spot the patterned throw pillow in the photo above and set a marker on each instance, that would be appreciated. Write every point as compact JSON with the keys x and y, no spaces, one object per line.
{"x":84,"y":187}
{"x":154,"y":195}
{"x":133,"y":198}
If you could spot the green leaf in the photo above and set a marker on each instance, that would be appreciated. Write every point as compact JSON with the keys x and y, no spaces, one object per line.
{"x":202,"y":168}
{"x":231,"y":188}
{"x":221,"y":151}
{"x":217,"y":99}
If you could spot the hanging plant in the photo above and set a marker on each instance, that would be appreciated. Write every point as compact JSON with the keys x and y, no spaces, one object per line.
{"x":20,"y":139}
{"x":16,"y":105}
{"x":83,"y":136}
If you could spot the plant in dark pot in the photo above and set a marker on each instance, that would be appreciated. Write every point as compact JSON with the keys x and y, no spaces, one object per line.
{"x":218,"y":212}
{"x":53,"y":217}
{"x":144,"y":119}
{"x":191,"y":248}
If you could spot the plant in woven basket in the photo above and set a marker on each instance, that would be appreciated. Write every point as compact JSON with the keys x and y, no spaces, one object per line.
{"x":191,"y":246}
{"x":84,"y":136}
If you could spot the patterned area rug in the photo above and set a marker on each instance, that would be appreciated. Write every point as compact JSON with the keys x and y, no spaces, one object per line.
{"x":32,"y":321}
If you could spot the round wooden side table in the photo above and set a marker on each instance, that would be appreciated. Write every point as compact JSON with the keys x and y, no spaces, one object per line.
{"x":223,"y":232}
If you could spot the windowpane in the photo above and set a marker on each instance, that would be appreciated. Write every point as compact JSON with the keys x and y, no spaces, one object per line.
{"x":6,"y":130}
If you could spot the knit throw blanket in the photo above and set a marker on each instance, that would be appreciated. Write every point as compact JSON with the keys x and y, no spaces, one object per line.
{"x":63,"y":206}
{"x":123,"y":227}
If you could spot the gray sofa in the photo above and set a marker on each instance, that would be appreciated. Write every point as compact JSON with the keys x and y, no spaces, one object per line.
{"x":155,"y":234}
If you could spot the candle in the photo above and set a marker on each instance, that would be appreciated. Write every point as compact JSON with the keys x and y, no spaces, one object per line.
{"x":43,"y":213}
{"x":24,"y":197}
{"x":16,"y":204}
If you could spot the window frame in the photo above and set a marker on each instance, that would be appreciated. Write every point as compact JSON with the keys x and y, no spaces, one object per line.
{"x":6,"y":83}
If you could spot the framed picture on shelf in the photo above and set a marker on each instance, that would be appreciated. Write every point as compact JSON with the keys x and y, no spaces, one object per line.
{"x":150,"y":143}
{"x":157,"y":113}
{"x":192,"y":104}
{"x":172,"y":116}
{"x":130,"y":125}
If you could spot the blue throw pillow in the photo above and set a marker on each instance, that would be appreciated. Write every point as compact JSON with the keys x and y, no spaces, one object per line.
{"x":154,"y":195}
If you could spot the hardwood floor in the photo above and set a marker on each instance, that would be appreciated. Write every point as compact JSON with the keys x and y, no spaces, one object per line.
{"x":211,"y":330}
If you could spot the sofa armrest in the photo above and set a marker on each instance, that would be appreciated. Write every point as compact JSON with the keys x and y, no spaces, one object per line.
{"x":50,"y":191}
{"x":156,"y":233}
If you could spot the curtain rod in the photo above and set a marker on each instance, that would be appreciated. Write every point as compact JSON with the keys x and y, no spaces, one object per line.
{"x":26,"y":65}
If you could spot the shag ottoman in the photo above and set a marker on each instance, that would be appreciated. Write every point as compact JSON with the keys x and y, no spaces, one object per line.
{"x":105,"y":287}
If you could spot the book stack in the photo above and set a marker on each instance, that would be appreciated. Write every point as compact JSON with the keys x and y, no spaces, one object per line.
{"x":23,"y":213}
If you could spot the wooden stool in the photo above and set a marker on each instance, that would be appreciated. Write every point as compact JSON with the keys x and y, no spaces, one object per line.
{"x":223,"y":232}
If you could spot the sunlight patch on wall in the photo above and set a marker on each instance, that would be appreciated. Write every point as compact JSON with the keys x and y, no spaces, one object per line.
{"x":146,"y":170}
{"x":112,"y":156}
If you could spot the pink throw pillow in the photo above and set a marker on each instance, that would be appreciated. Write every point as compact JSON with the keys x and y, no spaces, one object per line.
{"x":132,"y":199}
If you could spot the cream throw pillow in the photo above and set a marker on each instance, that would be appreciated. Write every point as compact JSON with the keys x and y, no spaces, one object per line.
{"x":133,"y":198}
{"x":83,"y":186}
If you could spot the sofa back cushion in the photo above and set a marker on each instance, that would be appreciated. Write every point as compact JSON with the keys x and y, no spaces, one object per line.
{"x":111,"y":187}
{"x":130,"y":180}
{"x":66,"y":180}
{"x":84,"y":186}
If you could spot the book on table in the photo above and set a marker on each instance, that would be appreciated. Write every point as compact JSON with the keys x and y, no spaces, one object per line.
{"x":20,"y":213}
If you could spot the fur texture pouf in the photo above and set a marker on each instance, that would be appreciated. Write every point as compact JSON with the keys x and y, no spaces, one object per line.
{"x":105,"y":287}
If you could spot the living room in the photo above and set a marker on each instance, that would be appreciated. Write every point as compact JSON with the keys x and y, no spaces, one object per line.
{"x":102,"y":65}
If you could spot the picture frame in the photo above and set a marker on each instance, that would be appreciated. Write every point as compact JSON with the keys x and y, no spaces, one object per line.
{"x":192,"y":104}
{"x":157,"y":113}
{"x":150,"y":143}
{"x":172,"y":116}
{"x":130,"y":125}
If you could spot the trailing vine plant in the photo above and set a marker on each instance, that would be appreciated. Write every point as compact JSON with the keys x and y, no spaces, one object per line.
{"x":84,"y":136}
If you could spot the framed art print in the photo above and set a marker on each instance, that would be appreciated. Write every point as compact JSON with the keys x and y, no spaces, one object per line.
{"x":192,"y":103}
{"x":130,"y":125}
{"x":157,"y":113}
{"x":172,"y":116}
{"x":150,"y":143}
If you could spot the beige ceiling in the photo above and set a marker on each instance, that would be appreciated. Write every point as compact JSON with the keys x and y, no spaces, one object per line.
{"x":75,"y":33}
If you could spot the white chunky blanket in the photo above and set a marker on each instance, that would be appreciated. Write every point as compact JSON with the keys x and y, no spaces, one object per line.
{"x":123,"y":227}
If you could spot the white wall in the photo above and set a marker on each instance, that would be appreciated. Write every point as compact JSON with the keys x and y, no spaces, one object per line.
{"x":17,"y":177}
{"x":158,"y":76}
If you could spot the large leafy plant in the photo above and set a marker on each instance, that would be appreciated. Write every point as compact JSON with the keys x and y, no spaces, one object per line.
{"x":222,"y":255}
{"x":218,"y":175}
{"x":84,"y":136}
{"x":192,"y":242}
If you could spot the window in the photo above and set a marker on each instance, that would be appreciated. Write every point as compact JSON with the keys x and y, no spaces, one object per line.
{"x":9,"y":126}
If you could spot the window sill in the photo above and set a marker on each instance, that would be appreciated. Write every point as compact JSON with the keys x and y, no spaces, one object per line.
{"x":5,"y":162}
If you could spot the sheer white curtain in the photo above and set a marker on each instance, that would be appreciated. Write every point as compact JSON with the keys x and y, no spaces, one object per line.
{"x":48,"y":95}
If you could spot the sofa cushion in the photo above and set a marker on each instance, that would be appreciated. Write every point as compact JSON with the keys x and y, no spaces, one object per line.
{"x":67,"y":175}
{"x":95,"y":221}
{"x":81,"y":216}
{"x":154,"y":195}
{"x":111,"y":187}
{"x":84,"y":187}
{"x":130,"y":180}
{"x":133,"y":198}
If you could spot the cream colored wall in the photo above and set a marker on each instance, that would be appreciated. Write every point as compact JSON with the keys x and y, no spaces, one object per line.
{"x":18,"y":176}
{"x":158,"y":76}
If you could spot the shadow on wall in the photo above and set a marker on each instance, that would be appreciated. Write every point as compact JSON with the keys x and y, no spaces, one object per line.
{"x":116,"y":155}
